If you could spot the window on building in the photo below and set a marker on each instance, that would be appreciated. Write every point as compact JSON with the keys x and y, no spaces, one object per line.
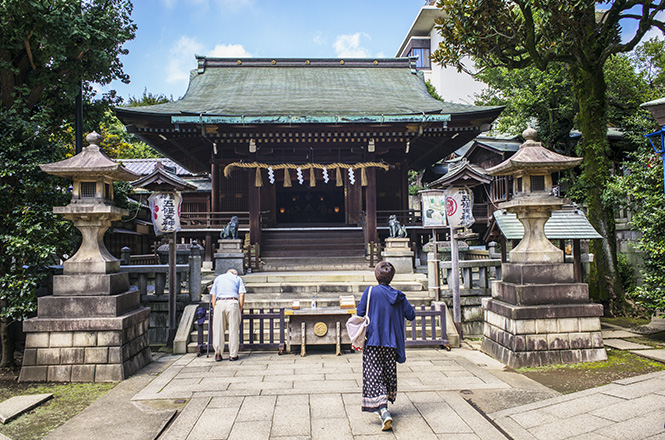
{"x":423,"y":61}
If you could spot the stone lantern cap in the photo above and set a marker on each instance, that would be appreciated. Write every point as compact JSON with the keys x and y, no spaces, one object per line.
{"x":91,"y":162}
{"x":657,"y":109}
{"x":533,"y":157}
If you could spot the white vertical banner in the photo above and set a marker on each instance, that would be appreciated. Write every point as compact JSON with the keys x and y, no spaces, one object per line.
{"x":459,"y":207}
{"x":165,"y":211}
{"x":433,"y":208}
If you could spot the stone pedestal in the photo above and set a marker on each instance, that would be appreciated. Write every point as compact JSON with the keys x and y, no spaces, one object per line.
{"x":539,"y":315}
{"x":229,"y":255}
{"x":398,"y":253}
{"x":92,"y":329}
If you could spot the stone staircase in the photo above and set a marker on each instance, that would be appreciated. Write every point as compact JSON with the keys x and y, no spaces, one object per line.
{"x":313,"y":249}
{"x":280,"y":289}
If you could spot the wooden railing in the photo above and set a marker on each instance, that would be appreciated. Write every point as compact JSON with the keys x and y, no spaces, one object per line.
{"x":476,"y":275}
{"x":407,"y":217}
{"x":213,"y":220}
{"x":423,"y":332}
{"x":257,"y":324}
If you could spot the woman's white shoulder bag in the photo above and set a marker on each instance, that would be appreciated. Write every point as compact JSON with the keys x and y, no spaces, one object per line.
{"x":356,"y":327}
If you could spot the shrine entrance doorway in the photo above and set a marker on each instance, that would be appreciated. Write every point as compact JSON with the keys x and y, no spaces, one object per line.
{"x":304,"y":205}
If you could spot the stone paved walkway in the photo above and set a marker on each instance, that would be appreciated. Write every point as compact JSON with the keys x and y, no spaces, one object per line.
{"x":462,"y":394}
{"x":626,"y":409}
{"x":266,"y":396}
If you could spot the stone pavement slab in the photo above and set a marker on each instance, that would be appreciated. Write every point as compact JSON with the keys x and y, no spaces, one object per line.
{"x":617,"y":334}
{"x":17,"y":405}
{"x":620,"y":344}
{"x":656,"y":355}
{"x":631,"y":408}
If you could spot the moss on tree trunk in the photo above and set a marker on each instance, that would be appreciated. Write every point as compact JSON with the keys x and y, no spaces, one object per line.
{"x":590,"y":88}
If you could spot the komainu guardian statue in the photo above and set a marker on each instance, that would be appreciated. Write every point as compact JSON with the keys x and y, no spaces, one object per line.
{"x":396,"y":229}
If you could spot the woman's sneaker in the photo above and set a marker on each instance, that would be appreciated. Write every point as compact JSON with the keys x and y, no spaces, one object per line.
{"x":386,"y":420}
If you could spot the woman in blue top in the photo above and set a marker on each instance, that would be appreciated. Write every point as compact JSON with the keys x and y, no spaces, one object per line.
{"x":388,"y":308}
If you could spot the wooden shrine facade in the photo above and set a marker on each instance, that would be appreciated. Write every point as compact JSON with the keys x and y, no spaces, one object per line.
{"x":300,"y":143}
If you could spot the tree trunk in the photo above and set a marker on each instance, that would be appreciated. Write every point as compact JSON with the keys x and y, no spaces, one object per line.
{"x":590,"y":91}
{"x":7,"y":345}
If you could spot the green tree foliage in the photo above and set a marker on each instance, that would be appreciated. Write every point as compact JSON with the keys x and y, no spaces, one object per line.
{"x":148,"y":98}
{"x":650,"y":59}
{"x":520,"y":33}
{"x":641,"y":188}
{"x":542,"y":98}
{"x":48,"y":48}
{"x":432,"y":90}
{"x":118,"y":144}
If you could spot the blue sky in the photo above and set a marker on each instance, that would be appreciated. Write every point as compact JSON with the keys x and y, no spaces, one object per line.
{"x":171,"y":32}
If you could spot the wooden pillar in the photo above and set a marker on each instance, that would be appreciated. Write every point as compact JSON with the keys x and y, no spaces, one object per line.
{"x":404,"y":172}
{"x":254,"y":209}
{"x":577,"y":260}
{"x":504,"y":251}
{"x":214,"y":175}
{"x":370,"y":202}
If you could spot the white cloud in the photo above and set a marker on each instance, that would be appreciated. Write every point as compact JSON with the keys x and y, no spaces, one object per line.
{"x":229,"y":50}
{"x":348,"y":46}
{"x":181,"y":57}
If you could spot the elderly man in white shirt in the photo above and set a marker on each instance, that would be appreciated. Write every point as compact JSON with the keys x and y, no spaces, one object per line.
{"x":227,"y":299}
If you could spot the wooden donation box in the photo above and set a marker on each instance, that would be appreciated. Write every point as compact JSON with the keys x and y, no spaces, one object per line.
{"x":319,"y":326}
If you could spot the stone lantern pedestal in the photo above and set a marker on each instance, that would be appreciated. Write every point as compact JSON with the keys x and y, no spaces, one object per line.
{"x":538,"y":314}
{"x":92,"y":329}
{"x":398,"y":253}
{"x":229,"y":255}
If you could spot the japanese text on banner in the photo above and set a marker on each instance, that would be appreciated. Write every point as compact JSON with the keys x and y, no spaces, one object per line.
{"x":165,"y":210}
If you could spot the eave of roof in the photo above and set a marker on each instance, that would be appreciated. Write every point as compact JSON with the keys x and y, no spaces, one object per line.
{"x":563,"y":224}
{"x":421,"y":26}
{"x":464,"y":171}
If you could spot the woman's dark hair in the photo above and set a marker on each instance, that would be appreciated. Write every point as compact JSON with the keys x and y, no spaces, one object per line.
{"x":384,"y":272}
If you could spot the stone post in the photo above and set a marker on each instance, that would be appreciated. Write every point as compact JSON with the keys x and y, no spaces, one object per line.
{"x":124,"y":256}
{"x":195,"y":273}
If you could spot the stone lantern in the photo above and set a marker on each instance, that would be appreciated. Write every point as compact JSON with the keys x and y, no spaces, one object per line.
{"x":533,"y":202}
{"x":538,"y":313}
{"x":92,"y":329}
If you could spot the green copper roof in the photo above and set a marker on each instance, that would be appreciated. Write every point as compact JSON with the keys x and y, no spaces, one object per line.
{"x":563,"y":224}
{"x":316,"y":90}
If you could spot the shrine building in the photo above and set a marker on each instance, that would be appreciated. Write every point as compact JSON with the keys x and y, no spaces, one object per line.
{"x":304,"y":146}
